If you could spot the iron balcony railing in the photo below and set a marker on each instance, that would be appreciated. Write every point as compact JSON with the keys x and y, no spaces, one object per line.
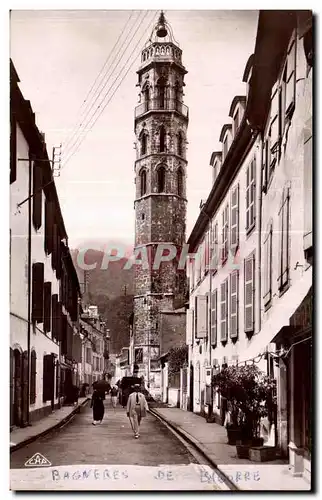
{"x":161,"y":105}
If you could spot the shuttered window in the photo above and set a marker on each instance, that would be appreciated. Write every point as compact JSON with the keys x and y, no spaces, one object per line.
{"x":284,"y":223}
{"x":13,"y":147}
{"x":47,"y":307}
{"x":54,"y":250}
{"x":249,"y":293}
{"x":49,"y":221}
{"x":213,"y":303}
{"x":234,"y":299}
{"x":274,"y":130}
{"x":48,"y":377}
{"x":64,"y":334}
{"x":33,"y":373}
{"x":290,"y":78}
{"x":189,"y":337}
{"x":37,"y":196}
{"x":224,"y":311}
{"x":201,"y":316}
{"x":250,"y":195}
{"x":234,"y":226}
{"x":57,"y":379}
{"x":60,"y":316}
{"x":54,"y":319}
{"x":207,"y":251}
{"x":225,"y":225}
{"x":214,"y":247}
{"x":37,"y":292}
{"x":267,"y":295}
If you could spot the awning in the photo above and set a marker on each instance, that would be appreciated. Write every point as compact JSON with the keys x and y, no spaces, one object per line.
{"x":281,"y":314}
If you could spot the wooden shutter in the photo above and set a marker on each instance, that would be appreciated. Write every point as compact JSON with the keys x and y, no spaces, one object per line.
{"x":253,"y":191}
{"x":207,"y":251}
{"x":33,"y":373}
{"x":59,"y":257}
{"x":37,"y":196}
{"x":189,"y":337}
{"x":274,"y":126}
{"x":249,"y":280}
{"x":202,"y":317}
{"x":54,"y":312}
{"x":13,"y":146}
{"x":60,"y":317}
{"x":267,"y":296}
{"x":48,"y":377}
{"x":37,"y":292}
{"x":47,"y":306}
{"x":234,"y":228}
{"x":24,"y":387}
{"x":49,"y":222}
{"x":54,"y":249}
{"x":284,"y":239}
{"x":213,"y":301}
{"x":223,"y":310}
{"x":290,"y":78}
{"x":57,"y":379}
{"x":234,"y":285}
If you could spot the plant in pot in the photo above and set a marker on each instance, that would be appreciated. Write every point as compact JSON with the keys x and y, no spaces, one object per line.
{"x":248,"y":392}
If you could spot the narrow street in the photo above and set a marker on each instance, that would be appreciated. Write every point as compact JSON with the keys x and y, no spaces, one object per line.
{"x":109,"y":451}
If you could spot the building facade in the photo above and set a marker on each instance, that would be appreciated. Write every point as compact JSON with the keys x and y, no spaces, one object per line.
{"x":161,"y":121}
{"x":44,"y":289}
{"x":251,"y":292}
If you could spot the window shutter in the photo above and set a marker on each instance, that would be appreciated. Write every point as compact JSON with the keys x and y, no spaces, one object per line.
{"x":265,"y":163}
{"x":213,"y":338}
{"x":13,"y":146}
{"x":234,"y":283}
{"x":54,"y":312}
{"x":33,"y":361}
{"x":202,"y":317}
{"x":268,"y":267}
{"x":189,"y":327}
{"x":234,"y":230}
{"x":37,"y":196}
{"x":253,"y":191}
{"x":48,"y":377}
{"x":223,"y":310}
{"x":284,"y":239}
{"x":290,"y":78}
{"x":249,"y":275}
{"x":59,"y":257}
{"x":60,"y":316}
{"x":37,"y":292}
{"x":54,"y":249}
{"x":47,"y":306}
{"x":57,"y":379}
{"x":49,"y":221}
{"x":63,"y":333}
{"x":274,"y":127}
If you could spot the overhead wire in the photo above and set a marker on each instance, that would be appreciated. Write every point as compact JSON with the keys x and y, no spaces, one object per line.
{"x":69,"y":147}
{"x":81,"y":113}
{"x":77,"y":146}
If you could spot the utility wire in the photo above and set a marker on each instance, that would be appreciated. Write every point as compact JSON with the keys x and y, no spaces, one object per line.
{"x":104,"y":107}
{"x":69,"y":147}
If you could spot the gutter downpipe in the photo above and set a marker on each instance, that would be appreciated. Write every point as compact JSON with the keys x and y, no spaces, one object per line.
{"x":29,"y":288}
{"x":260,"y":198}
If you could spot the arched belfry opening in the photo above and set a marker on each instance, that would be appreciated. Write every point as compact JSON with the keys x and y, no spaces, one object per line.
{"x":179,"y":182}
{"x":143,"y":182}
{"x":161,"y":92}
{"x":179,"y":144}
{"x":162,"y":135}
{"x":161,"y":175}
{"x":143,"y":143}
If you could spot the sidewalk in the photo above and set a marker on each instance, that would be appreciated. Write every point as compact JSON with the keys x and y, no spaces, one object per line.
{"x":23,"y":436}
{"x":211,"y":440}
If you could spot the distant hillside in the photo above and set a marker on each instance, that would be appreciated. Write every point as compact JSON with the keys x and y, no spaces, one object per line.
{"x":112,"y":291}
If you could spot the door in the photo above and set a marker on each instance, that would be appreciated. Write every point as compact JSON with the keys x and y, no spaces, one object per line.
{"x":17,"y":369}
{"x":191,"y":388}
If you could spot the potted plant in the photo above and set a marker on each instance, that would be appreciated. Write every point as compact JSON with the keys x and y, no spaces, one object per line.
{"x":248,"y":392}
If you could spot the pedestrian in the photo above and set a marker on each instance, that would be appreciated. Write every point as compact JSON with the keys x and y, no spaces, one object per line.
{"x":98,"y":406}
{"x":114,"y":394}
{"x":136,"y":409}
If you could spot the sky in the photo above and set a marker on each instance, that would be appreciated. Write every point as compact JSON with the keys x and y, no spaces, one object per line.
{"x":59,"y":55}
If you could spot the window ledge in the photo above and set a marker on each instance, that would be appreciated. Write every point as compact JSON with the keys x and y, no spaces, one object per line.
{"x":268,"y":305}
{"x":250,"y":229}
{"x":284,"y":288}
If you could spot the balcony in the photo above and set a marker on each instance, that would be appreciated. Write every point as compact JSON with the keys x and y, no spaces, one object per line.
{"x":162,"y":105}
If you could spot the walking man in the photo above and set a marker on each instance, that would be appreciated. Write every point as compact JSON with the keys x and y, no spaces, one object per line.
{"x":114,"y":394}
{"x":136,"y":409}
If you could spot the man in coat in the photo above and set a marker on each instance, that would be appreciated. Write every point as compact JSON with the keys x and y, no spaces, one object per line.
{"x":136,"y":409}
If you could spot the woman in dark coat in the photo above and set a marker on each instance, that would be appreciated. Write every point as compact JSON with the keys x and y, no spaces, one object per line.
{"x":98,"y":406}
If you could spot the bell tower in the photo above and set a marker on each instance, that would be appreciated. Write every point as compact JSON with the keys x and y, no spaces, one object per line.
{"x":160,"y":125}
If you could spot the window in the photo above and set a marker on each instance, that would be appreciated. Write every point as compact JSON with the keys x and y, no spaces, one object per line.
{"x":146,"y":98}
{"x":274,"y":138}
{"x":201,"y":316}
{"x":225,"y":147}
{"x":290,"y":82}
{"x":213,"y":338}
{"x":180,"y":142}
{"x":47,"y":307}
{"x":161,"y":93}
{"x":37,"y":292}
{"x":234,"y":288}
{"x":214,"y":247}
{"x":138,"y":355}
{"x":57,"y":379}
{"x":284,"y":222}
{"x":143,"y":182}
{"x":249,"y":293}
{"x":267,"y":296}
{"x":234,"y":229}
{"x":49,"y":220}
{"x":13,"y":147}
{"x":162,"y":139}
{"x":144,"y":143}
{"x":177,"y":92}
{"x":223,"y":310}
{"x":48,"y":377}
{"x":250,"y":195}
{"x":33,"y":361}
{"x":179,"y":182}
{"x":225,"y":225}
{"x":37,"y":196}
{"x":236,"y":121}
{"x":161,"y":179}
